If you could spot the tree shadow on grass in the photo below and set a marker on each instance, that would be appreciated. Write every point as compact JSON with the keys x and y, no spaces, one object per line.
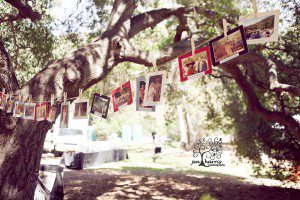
{"x":153,"y":183}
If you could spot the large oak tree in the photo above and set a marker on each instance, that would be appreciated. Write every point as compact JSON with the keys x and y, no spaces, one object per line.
{"x":21,"y":141}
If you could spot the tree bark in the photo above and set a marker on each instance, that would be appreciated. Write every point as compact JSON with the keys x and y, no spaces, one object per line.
{"x":21,"y":141}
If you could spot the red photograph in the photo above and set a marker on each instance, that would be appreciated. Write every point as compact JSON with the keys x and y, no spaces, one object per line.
{"x":193,"y":66}
{"x":122,"y":96}
{"x":41,"y":112}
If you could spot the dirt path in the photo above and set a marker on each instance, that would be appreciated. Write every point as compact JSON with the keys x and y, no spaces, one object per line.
{"x":143,"y":183}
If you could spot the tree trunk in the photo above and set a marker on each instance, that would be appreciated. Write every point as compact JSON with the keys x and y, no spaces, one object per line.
{"x":21,"y":143}
{"x":187,"y":127}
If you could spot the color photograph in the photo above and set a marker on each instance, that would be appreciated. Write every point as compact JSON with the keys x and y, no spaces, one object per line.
{"x":81,"y":109}
{"x":140,"y":95}
{"x":19,"y":109}
{"x":41,"y":111}
{"x":29,"y":111}
{"x":197,"y":65}
{"x":154,"y":88}
{"x":3,"y":99}
{"x":122,"y":96}
{"x":10,"y":105}
{"x":52,"y":114}
{"x":64,"y":115}
{"x":224,"y":48}
{"x":100,"y":105}
{"x":261,"y":28}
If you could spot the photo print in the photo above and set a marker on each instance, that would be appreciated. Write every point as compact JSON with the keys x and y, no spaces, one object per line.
{"x":41,"y":112}
{"x":81,"y":109}
{"x":100,"y":105}
{"x":10,"y":106}
{"x":3,"y":99}
{"x":52,"y":114}
{"x":261,"y":28}
{"x":193,"y":66}
{"x":19,"y":109}
{"x":64,"y":115}
{"x":224,"y":48}
{"x":29,"y":111}
{"x":154,"y":88}
{"x":140,"y":95}
{"x":122,"y":96}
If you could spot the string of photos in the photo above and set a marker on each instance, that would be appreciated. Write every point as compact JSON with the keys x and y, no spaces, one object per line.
{"x":253,"y":29}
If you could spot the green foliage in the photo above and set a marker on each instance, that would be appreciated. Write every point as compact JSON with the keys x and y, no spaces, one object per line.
{"x":214,"y":105}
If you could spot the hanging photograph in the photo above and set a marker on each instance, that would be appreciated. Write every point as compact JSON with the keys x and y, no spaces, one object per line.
{"x":41,"y":111}
{"x":193,"y":66}
{"x":81,"y":109}
{"x":29,"y":111}
{"x":19,"y":109}
{"x":10,"y":106}
{"x":64,"y":115}
{"x":140,"y":95}
{"x":3,"y":99}
{"x":122,"y":96}
{"x":52,"y":114}
{"x":261,"y":28}
{"x":224,"y":48}
{"x":100,"y":105}
{"x":154,"y":88}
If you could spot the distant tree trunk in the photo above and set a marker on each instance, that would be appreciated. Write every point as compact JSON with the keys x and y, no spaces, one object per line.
{"x":187,"y":126}
{"x":181,"y":124}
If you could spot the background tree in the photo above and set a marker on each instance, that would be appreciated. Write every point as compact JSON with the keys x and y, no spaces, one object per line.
{"x":28,"y":35}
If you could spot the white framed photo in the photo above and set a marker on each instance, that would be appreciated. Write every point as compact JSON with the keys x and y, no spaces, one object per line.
{"x":81,"y":109}
{"x":261,"y":28}
{"x":140,"y":95}
{"x":64,"y":115}
{"x":19,"y":109}
{"x":155,"y":83}
{"x":29,"y":111}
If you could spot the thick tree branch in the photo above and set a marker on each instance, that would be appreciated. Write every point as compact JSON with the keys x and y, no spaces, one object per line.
{"x":154,"y":17}
{"x":25,"y":11}
{"x":8,"y":78}
{"x":122,"y":10}
{"x":255,"y":104}
{"x":255,"y":57}
{"x":131,"y":53}
{"x":182,"y":26}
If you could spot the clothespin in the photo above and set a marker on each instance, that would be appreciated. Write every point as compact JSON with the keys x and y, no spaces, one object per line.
{"x":193,"y":45}
{"x":41,"y":99}
{"x":254,"y":6}
{"x":154,"y":65}
{"x":52,"y":99}
{"x":30,"y":99}
{"x":11,"y":94}
{"x":3,"y":91}
{"x":225,"y":29}
{"x":65,"y":97}
{"x":80,"y":95}
{"x":19,"y":97}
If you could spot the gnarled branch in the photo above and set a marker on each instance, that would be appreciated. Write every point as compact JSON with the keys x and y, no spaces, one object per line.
{"x":154,"y":17}
{"x":25,"y":11}
{"x":255,"y":104}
